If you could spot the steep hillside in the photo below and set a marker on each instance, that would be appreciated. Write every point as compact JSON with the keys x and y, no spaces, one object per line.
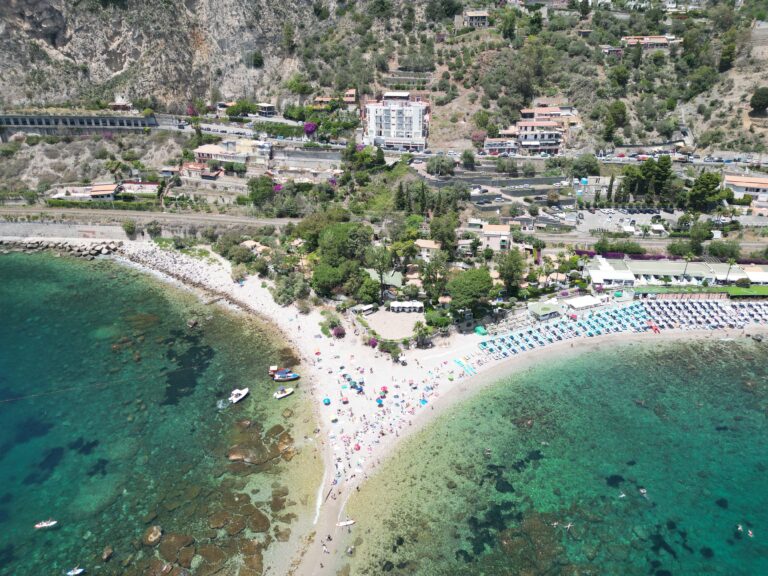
{"x":168,"y":54}
{"x":170,"y":50}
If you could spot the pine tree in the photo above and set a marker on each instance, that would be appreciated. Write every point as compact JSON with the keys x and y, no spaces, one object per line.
{"x":400,"y":197}
{"x":423,"y":199}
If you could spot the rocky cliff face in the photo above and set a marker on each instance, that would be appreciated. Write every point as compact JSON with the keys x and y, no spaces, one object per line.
{"x":173,"y":50}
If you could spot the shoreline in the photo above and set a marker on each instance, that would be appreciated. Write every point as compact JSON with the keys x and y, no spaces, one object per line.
{"x":377,"y":438}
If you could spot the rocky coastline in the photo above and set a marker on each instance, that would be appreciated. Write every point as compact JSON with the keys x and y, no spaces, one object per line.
{"x":86,"y":250}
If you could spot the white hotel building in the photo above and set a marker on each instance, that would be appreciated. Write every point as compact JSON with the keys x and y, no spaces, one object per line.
{"x":397,"y":122}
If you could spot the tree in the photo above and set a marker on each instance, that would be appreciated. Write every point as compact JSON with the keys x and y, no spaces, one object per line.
{"x":468,"y":159}
{"x":584,"y":8}
{"x":731,"y":262}
{"x":699,"y":233}
{"x":421,"y":332}
{"x":619,"y":74}
{"x":474,"y":246}
{"x":325,"y":278}
{"x":343,"y":242}
{"x":260,"y":190}
{"x":663,"y":175}
{"x":154,"y":229}
{"x":705,"y":192}
{"x":470,"y":288}
{"x":442,"y":229}
{"x":507,"y":25}
{"x":759,"y":100}
{"x":288,"y":40}
{"x":688,"y":257}
{"x":617,"y":110}
{"x":585,"y":165}
{"x":129,"y":227}
{"x":529,"y":170}
{"x":440,"y":166}
{"x":506,"y":166}
{"x":257,"y":59}
{"x":511,"y":267}
{"x":434,"y":276}
{"x":724,"y":249}
{"x":380,"y":259}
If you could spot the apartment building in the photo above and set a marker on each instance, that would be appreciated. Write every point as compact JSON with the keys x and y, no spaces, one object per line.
{"x":397,"y":122}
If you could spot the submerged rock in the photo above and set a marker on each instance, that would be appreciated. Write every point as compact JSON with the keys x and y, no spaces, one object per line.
{"x":172,"y":544}
{"x":106,"y":554}
{"x":152,"y":536}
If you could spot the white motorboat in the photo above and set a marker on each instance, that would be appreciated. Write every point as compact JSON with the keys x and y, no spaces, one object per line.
{"x":282,"y":393}
{"x":50,"y":523}
{"x":75,"y":571}
{"x":238,"y":394}
{"x":345,"y":523}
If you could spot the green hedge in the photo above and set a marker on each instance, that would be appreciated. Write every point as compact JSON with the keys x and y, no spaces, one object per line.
{"x":276,"y":129}
{"x":116,"y":205}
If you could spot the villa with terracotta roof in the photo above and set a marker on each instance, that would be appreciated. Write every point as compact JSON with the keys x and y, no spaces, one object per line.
{"x":101,"y":192}
{"x":427,"y":248}
{"x":497,"y":237}
{"x":755,"y":186}
{"x":650,"y":42}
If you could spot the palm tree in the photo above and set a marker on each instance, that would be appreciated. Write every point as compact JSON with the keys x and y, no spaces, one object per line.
{"x":731,"y":262}
{"x":420,"y":332}
{"x":688,"y":258}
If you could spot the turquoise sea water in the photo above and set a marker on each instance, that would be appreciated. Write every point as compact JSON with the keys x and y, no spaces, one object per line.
{"x":109,"y":424}
{"x":654,"y":453}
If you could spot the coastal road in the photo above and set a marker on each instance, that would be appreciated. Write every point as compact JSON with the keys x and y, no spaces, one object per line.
{"x":93,"y":215}
{"x":654,"y":244}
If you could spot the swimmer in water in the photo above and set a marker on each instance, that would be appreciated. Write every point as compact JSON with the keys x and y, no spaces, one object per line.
{"x":644,"y":492}
{"x":750,"y":534}
{"x":739,"y":528}
{"x":622,"y":495}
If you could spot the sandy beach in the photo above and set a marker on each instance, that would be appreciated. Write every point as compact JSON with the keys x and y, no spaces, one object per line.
{"x":354,"y":433}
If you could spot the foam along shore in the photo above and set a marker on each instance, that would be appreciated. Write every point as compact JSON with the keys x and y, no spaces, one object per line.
{"x":359,"y":429}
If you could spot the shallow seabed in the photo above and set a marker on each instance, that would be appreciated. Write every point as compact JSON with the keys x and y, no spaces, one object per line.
{"x":638,"y":459}
{"x":109,"y":424}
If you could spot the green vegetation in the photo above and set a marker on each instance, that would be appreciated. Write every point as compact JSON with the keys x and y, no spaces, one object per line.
{"x":759,"y":100}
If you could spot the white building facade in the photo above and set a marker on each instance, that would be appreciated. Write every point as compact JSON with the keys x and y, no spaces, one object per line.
{"x":396,"y":123}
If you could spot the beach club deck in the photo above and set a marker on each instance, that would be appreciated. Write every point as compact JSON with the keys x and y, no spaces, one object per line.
{"x":637,"y":317}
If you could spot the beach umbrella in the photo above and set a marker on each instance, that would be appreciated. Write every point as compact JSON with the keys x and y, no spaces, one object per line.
{"x":344,"y":400}
{"x":357,"y":447}
{"x":384,"y":389}
{"x":327,"y":401}
{"x":379,"y":401}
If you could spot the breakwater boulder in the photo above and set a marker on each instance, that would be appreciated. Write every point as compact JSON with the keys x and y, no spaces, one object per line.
{"x":87,"y":250}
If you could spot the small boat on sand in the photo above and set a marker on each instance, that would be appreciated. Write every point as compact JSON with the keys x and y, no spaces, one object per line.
{"x":238,"y":394}
{"x":284,"y":375}
{"x":282,"y":393}
{"x":345,"y":523}
{"x":50,"y":523}
{"x":75,"y":571}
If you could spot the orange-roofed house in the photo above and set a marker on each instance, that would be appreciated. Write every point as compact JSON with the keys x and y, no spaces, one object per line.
{"x":427,"y":249}
{"x":755,"y":186}
{"x":497,"y":237}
